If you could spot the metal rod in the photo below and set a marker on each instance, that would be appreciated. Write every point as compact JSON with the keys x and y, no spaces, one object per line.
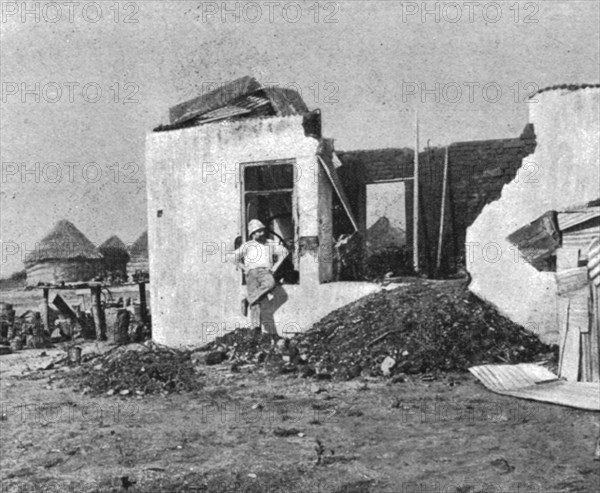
{"x":438,"y":262}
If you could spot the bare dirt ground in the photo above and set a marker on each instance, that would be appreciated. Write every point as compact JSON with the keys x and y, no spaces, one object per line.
{"x":249,"y":432}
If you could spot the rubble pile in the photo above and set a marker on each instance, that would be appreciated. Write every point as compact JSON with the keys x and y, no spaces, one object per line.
{"x":421,"y":328}
{"x":137,"y":369}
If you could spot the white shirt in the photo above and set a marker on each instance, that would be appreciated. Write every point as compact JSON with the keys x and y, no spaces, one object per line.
{"x":255,"y":254}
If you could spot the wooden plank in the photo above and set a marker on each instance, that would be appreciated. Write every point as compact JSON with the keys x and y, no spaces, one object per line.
{"x":46,"y":311}
{"x":571,"y":280}
{"x":98,"y":312}
{"x":594,"y":271}
{"x":563,"y":328}
{"x":567,"y":258}
{"x":143,"y":304}
{"x":594,"y":261}
{"x":595,"y":335}
{"x":416,"y":198}
{"x":579,"y":310}
{"x":339,"y":190}
{"x":438,"y":262}
{"x":63,"y":307}
{"x":570,"y":351}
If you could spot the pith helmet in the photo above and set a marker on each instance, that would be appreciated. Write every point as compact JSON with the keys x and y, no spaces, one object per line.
{"x":254,"y":226}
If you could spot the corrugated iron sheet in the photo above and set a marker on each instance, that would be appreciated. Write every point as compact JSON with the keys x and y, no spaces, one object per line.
{"x":534,"y":382}
{"x":223,"y":95}
{"x":221,"y":113}
{"x":594,"y":262}
{"x":567,"y":220}
{"x":580,"y":238}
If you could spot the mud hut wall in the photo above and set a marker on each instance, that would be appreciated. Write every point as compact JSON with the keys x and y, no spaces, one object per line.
{"x":136,"y":264}
{"x":567,"y":172}
{"x":56,"y":271}
{"x":194,"y":198}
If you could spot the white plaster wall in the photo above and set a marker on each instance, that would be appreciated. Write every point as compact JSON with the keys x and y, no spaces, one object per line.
{"x":193,"y":178}
{"x":563,"y":171}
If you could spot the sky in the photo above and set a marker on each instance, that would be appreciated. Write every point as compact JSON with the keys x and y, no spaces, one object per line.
{"x":83,"y":83}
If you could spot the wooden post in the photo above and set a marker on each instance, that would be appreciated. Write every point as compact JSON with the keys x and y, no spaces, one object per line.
{"x":438,"y":262}
{"x":46,"y":311}
{"x":99,"y":318}
{"x":143,"y":308}
{"x":416,"y":198}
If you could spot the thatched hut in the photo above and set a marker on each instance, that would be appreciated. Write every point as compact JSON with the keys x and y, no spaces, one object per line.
{"x":138,"y":258}
{"x":63,"y":255}
{"x":114,"y":261}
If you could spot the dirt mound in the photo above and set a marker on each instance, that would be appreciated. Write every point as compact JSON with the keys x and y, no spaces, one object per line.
{"x":422,"y":328}
{"x":137,"y":369}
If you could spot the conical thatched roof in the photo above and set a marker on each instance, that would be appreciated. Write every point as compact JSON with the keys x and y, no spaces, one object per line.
{"x":140,"y":246}
{"x":114,"y":247}
{"x":64,"y":242}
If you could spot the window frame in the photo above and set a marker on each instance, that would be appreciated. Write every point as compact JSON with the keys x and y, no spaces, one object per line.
{"x":294,"y":197}
{"x":243,"y":192}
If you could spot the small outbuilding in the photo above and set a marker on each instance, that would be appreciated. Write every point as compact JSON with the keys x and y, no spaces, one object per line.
{"x":63,"y":255}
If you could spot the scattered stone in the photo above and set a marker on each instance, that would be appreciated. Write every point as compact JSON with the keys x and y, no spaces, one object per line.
{"x":210,"y":358}
{"x":502,"y":466}
{"x":387,"y":365}
{"x":285,"y":432}
{"x":317,"y":389}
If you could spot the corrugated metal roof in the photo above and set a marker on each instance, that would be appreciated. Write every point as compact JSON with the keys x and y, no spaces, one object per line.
{"x":570,"y":219}
{"x":534,"y":382}
{"x":229,"y":102}
{"x":225,"y":112}
{"x":223,"y":95}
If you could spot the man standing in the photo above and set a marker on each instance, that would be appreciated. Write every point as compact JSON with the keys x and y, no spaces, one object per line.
{"x":259,"y":258}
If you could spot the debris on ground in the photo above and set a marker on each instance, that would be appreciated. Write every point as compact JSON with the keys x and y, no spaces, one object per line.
{"x":420,"y":328}
{"x":135,"y":370}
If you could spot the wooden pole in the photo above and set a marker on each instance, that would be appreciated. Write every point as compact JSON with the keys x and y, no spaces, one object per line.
{"x":416,"y":198}
{"x":143,"y":309}
{"x":99,"y":318}
{"x":438,"y":262}
{"x":46,"y":311}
